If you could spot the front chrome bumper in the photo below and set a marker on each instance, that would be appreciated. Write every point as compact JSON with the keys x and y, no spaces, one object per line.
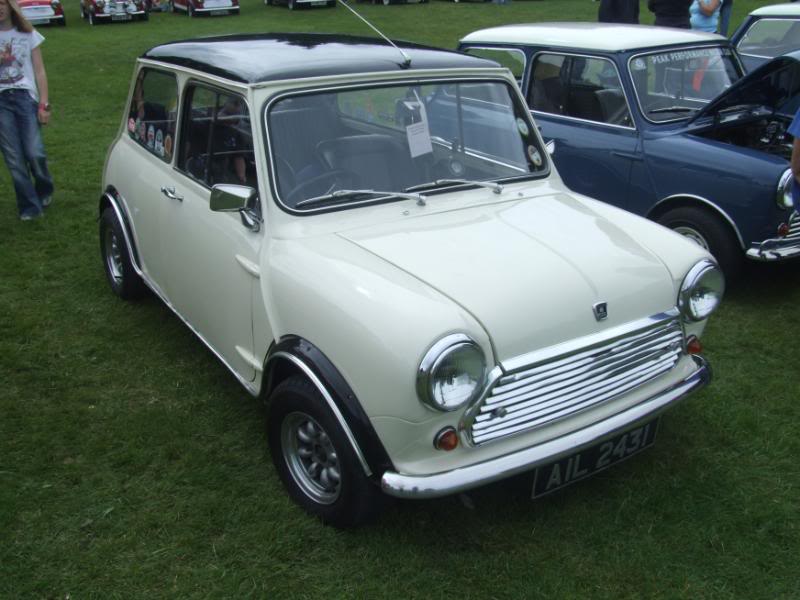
{"x":779,"y":248}
{"x":465,"y":478}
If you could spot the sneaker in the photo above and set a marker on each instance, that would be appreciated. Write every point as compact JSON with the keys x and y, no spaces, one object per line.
{"x":47,"y":201}
{"x":31,"y":216}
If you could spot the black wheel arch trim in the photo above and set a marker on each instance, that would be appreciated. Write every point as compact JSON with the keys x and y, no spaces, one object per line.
{"x":112,"y":198}
{"x":315,"y":365}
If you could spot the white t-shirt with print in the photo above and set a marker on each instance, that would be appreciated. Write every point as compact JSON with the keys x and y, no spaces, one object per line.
{"x":16,"y":66}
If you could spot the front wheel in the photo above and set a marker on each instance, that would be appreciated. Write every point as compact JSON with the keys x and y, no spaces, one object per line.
{"x":710,"y":233}
{"x":314,"y":459}
{"x":121,"y":275}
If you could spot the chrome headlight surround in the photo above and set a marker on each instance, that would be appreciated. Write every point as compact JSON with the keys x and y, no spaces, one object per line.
{"x":701,"y":291}
{"x":451,"y":374}
{"x":783,"y":195}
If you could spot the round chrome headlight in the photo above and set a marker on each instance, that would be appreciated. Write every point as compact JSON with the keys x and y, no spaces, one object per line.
{"x":451,"y":374}
{"x":783,"y":197}
{"x":701,"y":291}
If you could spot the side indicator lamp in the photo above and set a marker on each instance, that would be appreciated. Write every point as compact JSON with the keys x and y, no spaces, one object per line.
{"x":693,"y":345}
{"x":783,"y":230}
{"x":446,"y":439}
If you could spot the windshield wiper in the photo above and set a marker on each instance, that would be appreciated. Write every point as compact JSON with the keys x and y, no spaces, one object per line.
{"x":671,"y":109}
{"x":494,"y":186}
{"x":348,"y":194}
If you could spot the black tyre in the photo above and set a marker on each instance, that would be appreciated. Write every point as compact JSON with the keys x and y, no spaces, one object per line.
{"x":314,"y":458}
{"x":710,"y":232}
{"x":121,"y":275}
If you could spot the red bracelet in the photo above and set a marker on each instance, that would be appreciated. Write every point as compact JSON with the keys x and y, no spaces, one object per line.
{"x":45,"y":106}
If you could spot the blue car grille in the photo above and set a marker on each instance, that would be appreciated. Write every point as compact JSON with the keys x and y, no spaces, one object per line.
{"x":566,"y":384}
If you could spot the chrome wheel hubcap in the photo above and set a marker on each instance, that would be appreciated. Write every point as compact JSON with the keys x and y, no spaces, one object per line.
{"x":311,"y":458}
{"x":693,"y":235}
{"x":113,"y":255}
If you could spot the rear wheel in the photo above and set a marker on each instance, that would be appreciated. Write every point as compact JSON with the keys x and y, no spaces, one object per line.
{"x":314,"y":458}
{"x":709,"y":232}
{"x":121,"y":275}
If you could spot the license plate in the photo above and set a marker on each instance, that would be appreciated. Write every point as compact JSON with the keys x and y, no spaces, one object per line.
{"x":38,"y":21}
{"x":322,"y":3}
{"x":570,"y":469}
{"x":120,"y":17}
{"x":218,"y":12}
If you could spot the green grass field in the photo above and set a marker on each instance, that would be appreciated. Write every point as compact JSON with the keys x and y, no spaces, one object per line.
{"x":132,"y":465}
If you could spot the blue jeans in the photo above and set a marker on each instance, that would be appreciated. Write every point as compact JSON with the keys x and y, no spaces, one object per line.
{"x":23,"y":150}
{"x":725,"y":16}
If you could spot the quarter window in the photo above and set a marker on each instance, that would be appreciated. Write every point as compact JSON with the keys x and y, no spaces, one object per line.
{"x":217,"y":143}
{"x":153,"y":109}
{"x":578,"y":86}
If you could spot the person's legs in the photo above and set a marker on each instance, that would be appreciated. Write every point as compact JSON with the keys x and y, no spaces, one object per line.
{"x":725,"y":16}
{"x":18,"y":142}
{"x":33,"y":147}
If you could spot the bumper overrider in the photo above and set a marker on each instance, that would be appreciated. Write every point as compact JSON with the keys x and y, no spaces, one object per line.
{"x":780,"y":248}
{"x":465,"y":478}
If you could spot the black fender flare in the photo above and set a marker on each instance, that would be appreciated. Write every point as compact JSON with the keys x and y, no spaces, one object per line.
{"x":293,"y":354}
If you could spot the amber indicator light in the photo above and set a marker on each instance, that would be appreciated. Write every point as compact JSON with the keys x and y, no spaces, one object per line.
{"x":783,"y":230}
{"x":446,"y":439}
{"x":693,"y":345}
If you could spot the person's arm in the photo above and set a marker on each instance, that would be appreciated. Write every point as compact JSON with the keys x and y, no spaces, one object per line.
{"x":709,"y":7}
{"x":795,"y":161}
{"x":41,"y":83}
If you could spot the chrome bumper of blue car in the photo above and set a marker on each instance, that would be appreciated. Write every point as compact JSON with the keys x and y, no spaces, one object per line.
{"x":465,"y":478}
{"x":781,"y":248}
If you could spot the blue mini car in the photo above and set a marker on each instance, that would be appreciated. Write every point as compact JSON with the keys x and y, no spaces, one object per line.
{"x":663,"y":123}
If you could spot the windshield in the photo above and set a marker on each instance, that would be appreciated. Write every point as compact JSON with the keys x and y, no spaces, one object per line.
{"x":340,"y":147}
{"x":675,"y":84}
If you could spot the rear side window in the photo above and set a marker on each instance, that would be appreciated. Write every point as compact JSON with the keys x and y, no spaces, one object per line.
{"x":217,"y":141}
{"x":153,"y":111}
{"x":510,"y":58}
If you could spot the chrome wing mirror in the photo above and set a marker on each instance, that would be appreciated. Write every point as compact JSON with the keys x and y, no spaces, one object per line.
{"x":229,"y":197}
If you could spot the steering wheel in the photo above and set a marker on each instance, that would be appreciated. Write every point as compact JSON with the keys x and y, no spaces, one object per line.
{"x":321,"y":184}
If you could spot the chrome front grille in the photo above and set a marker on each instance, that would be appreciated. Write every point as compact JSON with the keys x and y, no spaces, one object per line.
{"x":558,"y":383}
{"x":794,"y":228}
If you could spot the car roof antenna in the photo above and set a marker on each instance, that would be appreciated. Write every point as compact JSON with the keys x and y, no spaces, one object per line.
{"x":406,"y":58}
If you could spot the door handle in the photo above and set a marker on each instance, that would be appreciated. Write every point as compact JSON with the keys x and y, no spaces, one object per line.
{"x":169,"y":192}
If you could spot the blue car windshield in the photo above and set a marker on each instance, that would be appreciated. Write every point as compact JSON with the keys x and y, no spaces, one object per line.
{"x":338,"y":147}
{"x":675,"y":84}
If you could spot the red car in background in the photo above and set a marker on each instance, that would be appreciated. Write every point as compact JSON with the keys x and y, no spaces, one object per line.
{"x":104,"y":11}
{"x":43,"y":12}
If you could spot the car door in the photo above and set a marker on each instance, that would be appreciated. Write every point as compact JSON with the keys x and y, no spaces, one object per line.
{"x":580,"y":105}
{"x":212,"y":257}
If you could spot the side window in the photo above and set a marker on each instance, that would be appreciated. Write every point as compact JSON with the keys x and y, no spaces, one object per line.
{"x":217,"y":143}
{"x":578,"y":86}
{"x":595,"y":92}
{"x":152,"y":116}
{"x":513,"y":60}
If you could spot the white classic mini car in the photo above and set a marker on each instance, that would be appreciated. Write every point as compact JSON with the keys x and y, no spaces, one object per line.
{"x":374,"y":241}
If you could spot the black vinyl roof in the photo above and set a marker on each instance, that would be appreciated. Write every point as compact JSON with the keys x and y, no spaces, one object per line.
{"x":276,"y":56}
